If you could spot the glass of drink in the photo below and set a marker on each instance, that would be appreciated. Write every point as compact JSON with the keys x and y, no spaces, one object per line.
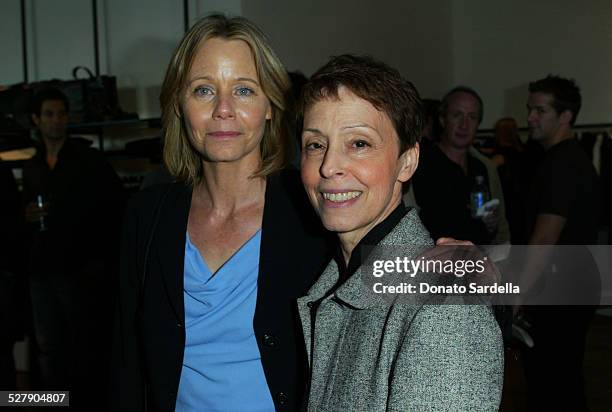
{"x":41,"y":207}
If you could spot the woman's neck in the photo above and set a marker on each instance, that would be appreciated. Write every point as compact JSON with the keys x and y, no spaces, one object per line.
{"x":229,"y":187}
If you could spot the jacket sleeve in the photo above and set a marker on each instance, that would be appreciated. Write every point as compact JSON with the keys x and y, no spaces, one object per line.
{"x":451,"y":360}
{"x":127,"y":386}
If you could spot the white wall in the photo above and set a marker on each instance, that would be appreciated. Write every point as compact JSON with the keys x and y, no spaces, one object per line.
{"x":56,"y":41}
{"x":136,"y":40}
{"x":140,"y":37}
{"x":413,"y":36}
{"x":11,"y":69}
{"x":501,"y":46}
{"x":495,"y":47}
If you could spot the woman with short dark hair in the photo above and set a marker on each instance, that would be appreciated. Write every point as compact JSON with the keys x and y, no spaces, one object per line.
{"x":362,"y":122}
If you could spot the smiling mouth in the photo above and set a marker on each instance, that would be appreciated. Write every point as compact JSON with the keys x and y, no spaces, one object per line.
{"x":340,"y":197}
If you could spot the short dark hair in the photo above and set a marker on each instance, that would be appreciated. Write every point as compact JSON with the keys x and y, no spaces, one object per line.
{"x":565,"y":92}
{"x":44,"y":95}
{"x":462,"y":89}
{"x":431,"y":110}
{"x":376,"y":82}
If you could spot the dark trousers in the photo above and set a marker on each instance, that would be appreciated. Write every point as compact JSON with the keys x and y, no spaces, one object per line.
{"x":54,"y":315}
{"x":7,"y":365}
{"x":72,"y":324}
{"x":553,"y":367}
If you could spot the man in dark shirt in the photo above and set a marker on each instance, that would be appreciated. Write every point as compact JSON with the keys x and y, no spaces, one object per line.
{"x":447,"y":173}
{"x":12,"y":285}
{"x":71,"y":253}
{"x":563,"y":210}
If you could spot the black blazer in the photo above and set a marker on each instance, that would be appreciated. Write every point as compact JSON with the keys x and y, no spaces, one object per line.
{"x":149,"y":336}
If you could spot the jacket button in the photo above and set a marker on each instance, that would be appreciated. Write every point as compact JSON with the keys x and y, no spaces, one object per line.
{"x":179,"y":325}
{"x":269,"y":341}
{"x":281,"y":398}
{"x":310,"y":304}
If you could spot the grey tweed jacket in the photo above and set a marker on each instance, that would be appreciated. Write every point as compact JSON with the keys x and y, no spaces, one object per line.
{"x":368,"y":355}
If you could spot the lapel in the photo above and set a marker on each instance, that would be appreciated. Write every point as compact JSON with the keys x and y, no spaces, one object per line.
{"x":268,"y":235}
{"x":326,"y":281}
{"x":170,"y":238}
{"x":410,"y":234}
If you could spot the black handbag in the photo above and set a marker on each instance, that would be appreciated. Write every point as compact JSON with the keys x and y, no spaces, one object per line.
{"x":99,"y":100}
{"x":92,"y":99}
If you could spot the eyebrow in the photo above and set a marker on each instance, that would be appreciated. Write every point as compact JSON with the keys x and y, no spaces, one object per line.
{"x":239,"y":79}
{"x":311,"y":130}
{"x":353,"y":126}
{"x":358,"y":125}
{"x":247,"y":79}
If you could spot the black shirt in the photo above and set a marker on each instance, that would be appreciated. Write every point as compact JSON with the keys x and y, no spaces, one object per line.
{"x":567,"y":185}
{"x":372,"y":238}
{"x":11,"y":221}
{"x":442,"y":191}
{"x":86,"y":206}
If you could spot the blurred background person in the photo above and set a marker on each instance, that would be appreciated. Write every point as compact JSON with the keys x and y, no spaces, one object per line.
{"x":13,"y":294}
{"x":431,"y":122}
{"x":509,"y":158}
{"x":298,"y":80}
{"x":449,"y":172}
{"x":563,"y":210}
{"x":74,"y":202}
{"x":507,"y":139}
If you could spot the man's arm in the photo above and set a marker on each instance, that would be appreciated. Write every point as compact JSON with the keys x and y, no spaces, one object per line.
{"x":547,"y":229}
{"x":495,"y":222}
{"x":546,"y":233}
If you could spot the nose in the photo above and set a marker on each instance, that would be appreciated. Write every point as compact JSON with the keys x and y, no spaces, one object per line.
{"x":531,"y":116}
{"x":58,"y":118}
{"x":224,"y":107}
{"x":464,"y":123}
{"x":333,"y":164}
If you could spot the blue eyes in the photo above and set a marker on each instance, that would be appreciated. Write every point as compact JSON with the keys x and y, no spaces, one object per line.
{"x":244,"y":91}
{"x":203,"y":91}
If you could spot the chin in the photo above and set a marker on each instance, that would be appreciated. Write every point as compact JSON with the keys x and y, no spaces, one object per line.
{"x":462,"y":144}
{"x":224,"y":155}
{"x":337,"y":224}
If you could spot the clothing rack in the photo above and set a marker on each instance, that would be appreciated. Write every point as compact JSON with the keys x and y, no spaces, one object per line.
{"x":600,"y":127}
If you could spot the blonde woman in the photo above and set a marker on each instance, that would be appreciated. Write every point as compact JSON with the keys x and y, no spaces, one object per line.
{"x":212,"y":264}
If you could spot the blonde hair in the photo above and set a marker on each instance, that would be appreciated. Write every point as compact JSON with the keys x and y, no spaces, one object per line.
{"x":181,"y":159}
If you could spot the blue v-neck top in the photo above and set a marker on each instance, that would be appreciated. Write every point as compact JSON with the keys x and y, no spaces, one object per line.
{"x":222,"y":368}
